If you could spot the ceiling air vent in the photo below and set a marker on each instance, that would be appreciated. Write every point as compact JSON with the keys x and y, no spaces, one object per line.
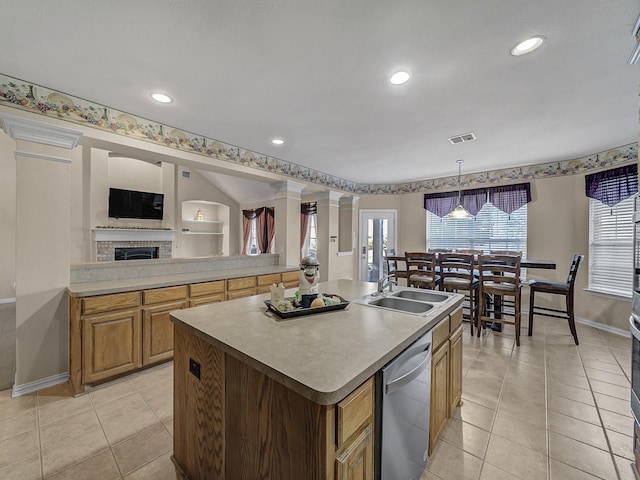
{"x":465,"y":137}
{"x":186,"y":174}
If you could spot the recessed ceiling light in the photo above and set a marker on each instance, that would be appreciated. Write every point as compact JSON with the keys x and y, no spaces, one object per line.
{"x":277,"y":141}
{"x":527,"y":46}
{"x":399,"y":78}
{"x":161,"y":97}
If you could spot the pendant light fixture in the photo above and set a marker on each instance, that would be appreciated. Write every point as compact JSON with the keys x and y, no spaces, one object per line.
{"x":460,"y":213}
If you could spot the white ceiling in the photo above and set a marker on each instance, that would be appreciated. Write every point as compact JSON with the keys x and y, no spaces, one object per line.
{"x":316,"y":74}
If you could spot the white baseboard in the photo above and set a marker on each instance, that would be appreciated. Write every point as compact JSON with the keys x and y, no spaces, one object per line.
{"x":600,"y":326}
{"x":606,"y":328}
{"x":7,"y":300}
{"x":19,"y":390}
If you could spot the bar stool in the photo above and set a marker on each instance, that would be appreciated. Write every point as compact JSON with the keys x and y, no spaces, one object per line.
{"x":397,"y":266}
{"x":556,"y":288}
{"x":456,"y":274}
{"x":499,"y":278}
{"x":421,"y":270}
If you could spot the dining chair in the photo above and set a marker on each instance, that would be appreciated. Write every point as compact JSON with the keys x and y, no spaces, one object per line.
{"x":396,"y":265}
{"x":440,"y":250}
{"x":456,"y":275}
{"x":499,"y":279}
{"x":421,"y":270}
{"x":564,"y":289}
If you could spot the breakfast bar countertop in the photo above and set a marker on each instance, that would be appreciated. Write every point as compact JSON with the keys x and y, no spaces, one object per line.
{"x":324,"y":356}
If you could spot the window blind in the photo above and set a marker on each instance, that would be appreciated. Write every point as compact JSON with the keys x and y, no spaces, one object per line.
{"x":611,"y":247}
{"x":491,"y":229}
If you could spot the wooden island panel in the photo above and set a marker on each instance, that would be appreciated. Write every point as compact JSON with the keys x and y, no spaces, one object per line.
{"x":235,"y":422}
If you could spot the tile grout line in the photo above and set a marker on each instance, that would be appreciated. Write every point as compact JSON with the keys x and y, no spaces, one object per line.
{"x":93,"y":406}
{"x":39,"y":435}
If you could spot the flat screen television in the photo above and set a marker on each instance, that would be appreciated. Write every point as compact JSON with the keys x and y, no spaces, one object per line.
{"x":133,"y":204}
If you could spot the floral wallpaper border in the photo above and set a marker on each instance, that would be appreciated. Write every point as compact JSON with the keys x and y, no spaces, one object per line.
{"x":23,"y":95}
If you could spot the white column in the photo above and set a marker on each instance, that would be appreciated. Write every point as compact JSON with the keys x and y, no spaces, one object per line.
{"x":328,"y":227}
{"x":287,"y":218}
{"x":42,"y":250}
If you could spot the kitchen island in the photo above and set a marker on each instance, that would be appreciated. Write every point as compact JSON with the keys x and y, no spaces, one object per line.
{"x":256,"y":396}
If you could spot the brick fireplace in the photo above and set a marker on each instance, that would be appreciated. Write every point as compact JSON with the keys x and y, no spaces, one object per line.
{"x":107,"y":240}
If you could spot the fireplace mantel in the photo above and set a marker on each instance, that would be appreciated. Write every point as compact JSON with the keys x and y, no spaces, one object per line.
{"x":133,"y":235}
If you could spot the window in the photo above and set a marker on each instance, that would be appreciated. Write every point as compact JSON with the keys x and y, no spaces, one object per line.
{"x":491,"y":229}
{"x":611,"y":247}
{"x":253,"y":240}
{"x":311,"y":240}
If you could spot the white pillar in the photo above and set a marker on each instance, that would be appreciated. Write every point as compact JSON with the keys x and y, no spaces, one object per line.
{"x":42,"y":250}
{"x":287,"y":218}
{"x":328,"y":227}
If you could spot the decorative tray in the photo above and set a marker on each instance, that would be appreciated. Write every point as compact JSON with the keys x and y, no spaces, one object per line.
{"x":300,"y":312}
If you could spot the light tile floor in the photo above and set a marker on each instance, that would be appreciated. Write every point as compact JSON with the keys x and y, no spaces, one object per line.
{"x":544,"y":410}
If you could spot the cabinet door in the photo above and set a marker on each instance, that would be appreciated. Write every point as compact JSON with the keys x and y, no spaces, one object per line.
{"x":439,"y":394}
{"x":110,"y":345}
{"x":455,"y":370}
{"x":356,"y":460}
{"x":233,"y":294}
{"x":157,"y":331}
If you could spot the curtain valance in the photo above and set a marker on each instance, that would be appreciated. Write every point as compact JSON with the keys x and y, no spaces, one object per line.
{"x":507,"y":198}
{"x":309,"y":208}
{"x":612,"y":186}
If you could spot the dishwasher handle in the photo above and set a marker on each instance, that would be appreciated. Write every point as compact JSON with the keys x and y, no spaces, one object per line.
{"x":399,"y":382}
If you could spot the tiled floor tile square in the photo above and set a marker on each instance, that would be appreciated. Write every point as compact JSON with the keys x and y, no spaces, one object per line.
{"x":577,"y":429}
{"x":451,"y":463}
{"x":515,"y":459}
{"x":129,"y":424}
{"x":625,"y":468}
{"x":562,"y":471}
{"x":614,"y":378}
{"x":65,"y":428}
{"x":73,"y":450}
{"x":475,"y":414}
{"x":578,"y":410}
{"x":621,"y":445}
{"x":21,"y":422}
{"x":24,"y":468}
{"x":15,"y":448}
{"x":467,"y":437}
{"x":63,"y":407}
{"x":141,"y":449}
{"x":612,"y":404}
{"x":617,"y":423}
{"x":581,"y":456}
{"x":99,"y":467}
{"x":120,"y":406}
{"x":489,"y":472}
{"x":572,"y":393}
{"x":518,"y":430}
{"x":109,"y":392}
{"x":161,"y":468}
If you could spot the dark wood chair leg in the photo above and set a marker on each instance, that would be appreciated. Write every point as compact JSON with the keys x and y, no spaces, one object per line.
{"x":531,"y":295}
{"x":572,"y":322}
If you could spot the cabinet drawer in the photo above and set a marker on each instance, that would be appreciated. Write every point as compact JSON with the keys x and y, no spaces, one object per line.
{"x":354,"y":411}
{"x":263,"y":289}
{"x":241,"y":283}
{"x":233,"y":294}
{"x":456,"y":320}
{"x":440,"y":334}
{"x":161,"y":295}
{"x":207,"y":288}
{"x":267,"y":280}
{"x":109,"y":303}
{"x":216,"y":298}
{"x":290,"y":279}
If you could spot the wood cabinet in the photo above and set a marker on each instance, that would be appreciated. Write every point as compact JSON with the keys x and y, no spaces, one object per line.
{"x":446,"y":374}
{"x":232,"y":421}
{"x":291,"y":279}
{"x":241,"y":287}
{"x":111,"y":344}
{"x":206,"y":292}
{"x":117,"y":333}
{"x":157,"y":328}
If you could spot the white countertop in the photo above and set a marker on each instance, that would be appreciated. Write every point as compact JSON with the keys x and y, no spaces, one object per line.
{"x":323,"y":357}
{"x":85,"y":289}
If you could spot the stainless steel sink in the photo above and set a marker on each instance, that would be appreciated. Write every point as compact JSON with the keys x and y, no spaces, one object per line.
{"x":396,"y":303}
{"x":422,"y":296}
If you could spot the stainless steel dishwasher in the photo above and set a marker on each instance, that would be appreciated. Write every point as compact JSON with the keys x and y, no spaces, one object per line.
{"x":403,"y":388}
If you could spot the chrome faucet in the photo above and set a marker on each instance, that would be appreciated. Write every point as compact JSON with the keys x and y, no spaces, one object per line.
{"x":387,"y":281}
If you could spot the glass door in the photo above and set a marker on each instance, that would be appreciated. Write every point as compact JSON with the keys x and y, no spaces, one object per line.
{"x":377,"y":238}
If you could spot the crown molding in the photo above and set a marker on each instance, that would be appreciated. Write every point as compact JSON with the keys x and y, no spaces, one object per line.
{"x":24,"y":129}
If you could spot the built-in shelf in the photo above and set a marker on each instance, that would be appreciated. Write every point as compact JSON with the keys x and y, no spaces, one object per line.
{"x":204,"y":228}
